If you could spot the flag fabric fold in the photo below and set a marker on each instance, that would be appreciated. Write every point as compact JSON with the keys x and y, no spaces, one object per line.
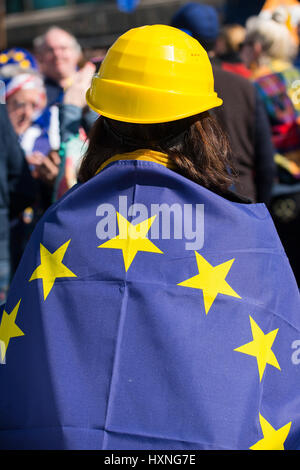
{"x":149,"y":313}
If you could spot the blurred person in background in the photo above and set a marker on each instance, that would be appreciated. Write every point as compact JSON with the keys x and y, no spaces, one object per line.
{"x":35,"y":123}
{"x":242,"y":115}
{"x":59,"y":53}
{"x":74,"y":138}
{"x":227,"y":49}
{"x":37,"y":128}
{"x":269,"y":51}
{"x":52,"y":137}
{"x":284,"y":11}
{"x":16,"y":192}
{"x":59,"y":56}
{"x":269,"y":46}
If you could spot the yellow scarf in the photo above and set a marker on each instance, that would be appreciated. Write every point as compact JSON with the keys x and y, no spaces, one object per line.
{"x":144,"y":155}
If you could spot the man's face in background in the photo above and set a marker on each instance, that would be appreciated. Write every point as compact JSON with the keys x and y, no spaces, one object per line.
{"x":59,"y":56}
{"x":23,"y":107}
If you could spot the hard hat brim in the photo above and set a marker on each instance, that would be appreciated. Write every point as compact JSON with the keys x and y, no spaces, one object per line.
{"x":150,"y":114}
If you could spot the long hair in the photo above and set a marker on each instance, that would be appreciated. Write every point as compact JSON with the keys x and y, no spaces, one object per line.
{"x":197,"y":146}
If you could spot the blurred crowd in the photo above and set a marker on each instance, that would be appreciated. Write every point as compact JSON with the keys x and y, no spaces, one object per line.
{"x":45,"y":122}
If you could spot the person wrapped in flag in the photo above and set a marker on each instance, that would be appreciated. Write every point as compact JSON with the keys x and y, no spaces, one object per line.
{"x":153,"y":307}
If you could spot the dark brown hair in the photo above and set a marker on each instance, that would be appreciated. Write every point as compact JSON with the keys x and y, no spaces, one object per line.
{"x":197,"y":146}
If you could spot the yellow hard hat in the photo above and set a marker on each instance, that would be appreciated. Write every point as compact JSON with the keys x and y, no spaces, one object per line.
{"x":153,"y":74}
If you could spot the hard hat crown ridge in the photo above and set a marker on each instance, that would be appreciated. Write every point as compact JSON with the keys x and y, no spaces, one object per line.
{"x":153,"y":74}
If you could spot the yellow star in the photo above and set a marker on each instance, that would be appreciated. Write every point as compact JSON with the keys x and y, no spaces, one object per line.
{"x":51,"y":267}
{"x":8,"y":330}
{"x":260,"y":348}
{"x":272,"y":440}
{"x":211,"y":280}
{"x":3,"y":59}
{"x":131,"y":239}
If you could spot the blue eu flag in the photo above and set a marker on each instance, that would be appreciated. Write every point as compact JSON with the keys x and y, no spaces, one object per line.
{"x":150,"y":313}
